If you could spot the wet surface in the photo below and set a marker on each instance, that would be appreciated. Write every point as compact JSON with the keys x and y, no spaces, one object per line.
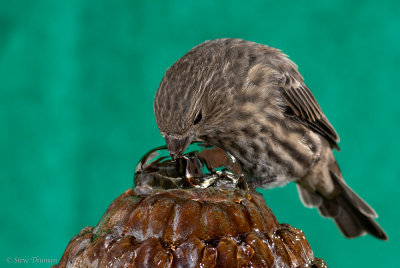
{"x":193,"y":212}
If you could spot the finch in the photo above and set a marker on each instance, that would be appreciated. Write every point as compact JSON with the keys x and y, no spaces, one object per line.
{"x":250,"y":100}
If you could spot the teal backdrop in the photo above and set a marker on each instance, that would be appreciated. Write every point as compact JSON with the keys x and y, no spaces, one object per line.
{"x":77,"y":81}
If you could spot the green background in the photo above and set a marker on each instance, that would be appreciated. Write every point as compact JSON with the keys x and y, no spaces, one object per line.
{"x":77,"y":81}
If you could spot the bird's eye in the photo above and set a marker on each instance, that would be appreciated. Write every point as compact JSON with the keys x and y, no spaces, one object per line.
{"x":198,"y":118}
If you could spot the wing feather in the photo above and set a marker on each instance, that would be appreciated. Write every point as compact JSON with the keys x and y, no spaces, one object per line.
{"x":305,"y":108}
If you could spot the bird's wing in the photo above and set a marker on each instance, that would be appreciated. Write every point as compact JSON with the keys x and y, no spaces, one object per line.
{"x":304,"y":107}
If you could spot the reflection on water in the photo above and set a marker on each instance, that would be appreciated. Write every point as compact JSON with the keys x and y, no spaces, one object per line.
{"x":202,"y":166}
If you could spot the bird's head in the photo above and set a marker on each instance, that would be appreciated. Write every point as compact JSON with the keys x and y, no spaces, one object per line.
{"x":194,"y":99}
{"x":181,"y":119}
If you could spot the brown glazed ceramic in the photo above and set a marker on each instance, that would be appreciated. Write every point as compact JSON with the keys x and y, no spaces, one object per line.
{"x":189,"y":228}
{"x":193,"y":212}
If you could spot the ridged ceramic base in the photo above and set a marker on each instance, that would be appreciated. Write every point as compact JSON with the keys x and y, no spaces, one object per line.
{"x":189,"y":228}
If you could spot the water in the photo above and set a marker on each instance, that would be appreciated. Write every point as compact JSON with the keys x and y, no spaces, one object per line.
{"x":202,"y":166}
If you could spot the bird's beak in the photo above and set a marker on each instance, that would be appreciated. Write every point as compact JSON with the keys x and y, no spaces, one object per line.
{"x":176,"y":147}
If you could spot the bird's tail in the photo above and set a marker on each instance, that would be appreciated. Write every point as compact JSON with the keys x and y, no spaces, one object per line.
{"x":352,"y":215}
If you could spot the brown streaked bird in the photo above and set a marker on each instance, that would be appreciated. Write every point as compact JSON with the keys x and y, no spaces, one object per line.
{"x":250,"y":100}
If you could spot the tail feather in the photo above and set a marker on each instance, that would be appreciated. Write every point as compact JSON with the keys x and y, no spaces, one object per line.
{"x":353,"y":216}
{"x":309,"y":199}
{"x":348,"y":223}
{"x":354,"y":198}
{"x":353,"y":223}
